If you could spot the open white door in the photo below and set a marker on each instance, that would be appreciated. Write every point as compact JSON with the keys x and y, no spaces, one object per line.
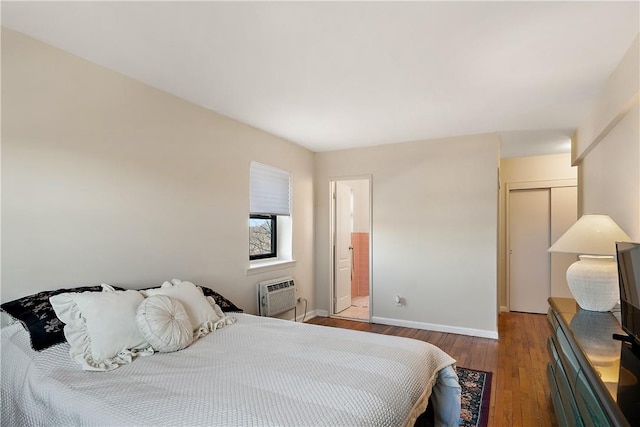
{"x":343,"y":249}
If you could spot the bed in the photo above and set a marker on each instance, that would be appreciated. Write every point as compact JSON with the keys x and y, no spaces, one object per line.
{"x":256,"y":371}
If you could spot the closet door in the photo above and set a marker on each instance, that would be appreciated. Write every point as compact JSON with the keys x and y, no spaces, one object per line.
{"x":529,"y":261}
{"x":537,"y":218}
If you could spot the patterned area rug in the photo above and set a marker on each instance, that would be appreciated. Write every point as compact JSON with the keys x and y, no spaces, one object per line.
{"x":476,"y":393}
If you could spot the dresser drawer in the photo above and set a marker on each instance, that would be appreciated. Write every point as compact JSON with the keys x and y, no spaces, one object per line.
{"x":562,"y":349}
{"x":555,"y":398}
{"x":590,"y":407}
{"x":561,"y":382}
{"x":567,"y":356}
{"x":552,"y":350}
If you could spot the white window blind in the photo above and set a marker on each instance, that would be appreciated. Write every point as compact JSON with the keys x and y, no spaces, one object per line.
{"x":269,"y":190}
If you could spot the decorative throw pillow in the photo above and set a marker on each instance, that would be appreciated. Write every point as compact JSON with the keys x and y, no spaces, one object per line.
{"x":37,"y":316}
{"x":101,"y":327}
{"x":164,"y":323}
{"x":199,"y":310}
{"x":226,"y":305}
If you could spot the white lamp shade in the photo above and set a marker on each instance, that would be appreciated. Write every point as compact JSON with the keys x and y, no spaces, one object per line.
{"x":592,"y":234}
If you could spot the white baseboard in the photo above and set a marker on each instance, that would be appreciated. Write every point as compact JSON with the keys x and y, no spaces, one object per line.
{"x":322,"y":313}
{"x":503,"y":309}
{"x":481,"y":333}
{"x":309,"y":315}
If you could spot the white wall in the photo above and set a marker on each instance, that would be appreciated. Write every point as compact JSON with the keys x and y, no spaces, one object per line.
{"x":606,"y":146}
{"x":105,"y":179}
{"x":434,"y":230}
{"x":360,"y":190}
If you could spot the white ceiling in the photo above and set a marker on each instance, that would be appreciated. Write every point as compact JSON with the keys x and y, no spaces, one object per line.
{"x":332,"y":75}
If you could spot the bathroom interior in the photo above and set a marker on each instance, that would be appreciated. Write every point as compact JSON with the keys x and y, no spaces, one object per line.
{"x":360,"y":243}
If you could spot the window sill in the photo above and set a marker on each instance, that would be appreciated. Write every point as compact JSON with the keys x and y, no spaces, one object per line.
{"x":257,"y":267}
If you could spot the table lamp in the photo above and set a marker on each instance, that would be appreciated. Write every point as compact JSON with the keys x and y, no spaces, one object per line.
{"x":593,"y":280}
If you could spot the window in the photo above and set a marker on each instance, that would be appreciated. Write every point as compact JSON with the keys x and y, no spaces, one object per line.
{"x":263,"y":236}
{"x":270,"y":205}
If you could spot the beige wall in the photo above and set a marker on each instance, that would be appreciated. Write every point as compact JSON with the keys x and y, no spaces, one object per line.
{"x":434,"y":230}
{"x":537,"y":168}
{"x":105,"y":179}
{"x":606,"y":146}
{"x":534,"y":169}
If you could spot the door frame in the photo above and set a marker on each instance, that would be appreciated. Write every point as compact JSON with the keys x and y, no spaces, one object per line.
{"x":332,"y":227}
{"x":524,"y":185}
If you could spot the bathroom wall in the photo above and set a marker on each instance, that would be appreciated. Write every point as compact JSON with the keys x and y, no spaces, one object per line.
{"x":360,"y":280}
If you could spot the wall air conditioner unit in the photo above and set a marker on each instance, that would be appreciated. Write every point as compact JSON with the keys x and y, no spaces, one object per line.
{"x":276,"y":296}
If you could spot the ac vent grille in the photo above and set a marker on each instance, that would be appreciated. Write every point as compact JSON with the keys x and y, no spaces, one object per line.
{"x":276,"y":296}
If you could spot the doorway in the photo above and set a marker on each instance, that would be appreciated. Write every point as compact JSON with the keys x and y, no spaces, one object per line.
{"x":351,"y":248}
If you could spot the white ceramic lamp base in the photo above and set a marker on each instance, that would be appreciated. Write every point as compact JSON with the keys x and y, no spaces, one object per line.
{"x":593,"y":282}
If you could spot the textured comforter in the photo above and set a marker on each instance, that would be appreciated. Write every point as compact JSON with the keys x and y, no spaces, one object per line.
{"x":256,"y":372}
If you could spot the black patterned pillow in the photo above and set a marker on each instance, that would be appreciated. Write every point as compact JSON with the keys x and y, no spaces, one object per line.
{"x":37,"y":315}
{"x":223,"y":303}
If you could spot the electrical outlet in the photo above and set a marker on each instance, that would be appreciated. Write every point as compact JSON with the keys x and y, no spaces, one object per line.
{"x":398,"y":300}
{"x":299,"y":299}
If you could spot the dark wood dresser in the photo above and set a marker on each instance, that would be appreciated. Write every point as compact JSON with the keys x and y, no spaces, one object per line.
{"x":593,"y":378}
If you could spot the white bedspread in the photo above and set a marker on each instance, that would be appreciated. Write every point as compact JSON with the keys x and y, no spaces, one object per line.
{"x":256,"y":372}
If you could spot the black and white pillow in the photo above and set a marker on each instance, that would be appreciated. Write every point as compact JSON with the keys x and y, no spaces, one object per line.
{"x":37,"y":315}
{"x":226,"y":305}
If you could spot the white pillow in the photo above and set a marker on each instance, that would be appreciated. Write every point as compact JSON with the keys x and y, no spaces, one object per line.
{"x":164,"y":323}
{"x":101,"y":327}
{"x":200,"y":312}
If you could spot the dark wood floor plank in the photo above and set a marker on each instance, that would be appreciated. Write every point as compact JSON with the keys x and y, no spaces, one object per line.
{"x":518,"y":359}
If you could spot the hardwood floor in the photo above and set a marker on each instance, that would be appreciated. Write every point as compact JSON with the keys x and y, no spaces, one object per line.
{"x":518,"y":360}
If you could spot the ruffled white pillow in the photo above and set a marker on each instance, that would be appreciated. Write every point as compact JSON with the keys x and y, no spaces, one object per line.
{"x":202,"y":315}
{"x":101,"y":327}
{"x":164,"y":323}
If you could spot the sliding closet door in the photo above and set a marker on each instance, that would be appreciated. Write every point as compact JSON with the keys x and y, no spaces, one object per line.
{"x":529,"y":265}
{"x":537,"y":217}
